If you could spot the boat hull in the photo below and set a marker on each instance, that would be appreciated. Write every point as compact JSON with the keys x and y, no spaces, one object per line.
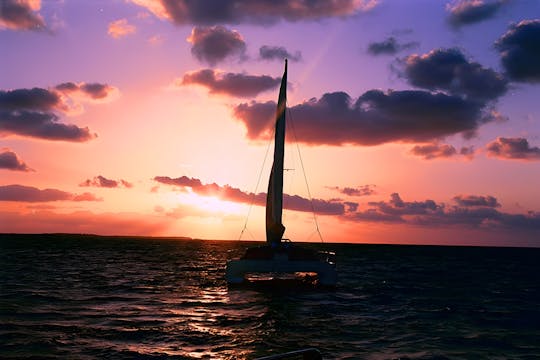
{"x":238,"y":269}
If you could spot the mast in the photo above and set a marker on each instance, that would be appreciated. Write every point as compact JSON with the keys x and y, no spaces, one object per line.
{"x":274,"y":197}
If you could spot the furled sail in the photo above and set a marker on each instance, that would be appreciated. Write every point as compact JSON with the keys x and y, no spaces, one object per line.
{"x":274,"y":197}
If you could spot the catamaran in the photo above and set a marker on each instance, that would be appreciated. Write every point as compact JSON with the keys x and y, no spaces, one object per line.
{"x":278,"y":255}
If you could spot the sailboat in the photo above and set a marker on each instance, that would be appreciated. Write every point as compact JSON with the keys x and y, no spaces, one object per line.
{"x":278,"y":255}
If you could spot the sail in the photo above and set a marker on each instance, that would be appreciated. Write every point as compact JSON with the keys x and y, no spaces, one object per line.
{"x":274,"y":197}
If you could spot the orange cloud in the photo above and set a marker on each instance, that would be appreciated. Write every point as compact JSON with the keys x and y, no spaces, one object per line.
{"x":120,"y":28}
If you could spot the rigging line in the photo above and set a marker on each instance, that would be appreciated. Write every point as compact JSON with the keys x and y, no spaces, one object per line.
{"x":305,"y":175}
{"x":257,"y":185}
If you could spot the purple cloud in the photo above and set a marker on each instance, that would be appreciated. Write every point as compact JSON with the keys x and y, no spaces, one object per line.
{"x":389,"y":46}
{"x":363,"y":190}
{"x":214,"y":44}
{"x":466,"y":12}
{"x":374,"y":118}
{"x":476,"y":200}
{"x":450,"y":71}
{"x":21,"y":193}
{"x":513,"y":149}
{"x":519,"y":49}
{"x":10,"y":161}
{"x":21,"y":15}
{"x":434,"y":151}
{"x":101,"y":181}
{"x":226,"y":192}
{"x":231,"y":84}
{"x":258,"y":12}
{"x":278,"y":53}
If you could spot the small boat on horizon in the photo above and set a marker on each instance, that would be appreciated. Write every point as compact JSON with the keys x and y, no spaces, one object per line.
{"x":278,"y":255}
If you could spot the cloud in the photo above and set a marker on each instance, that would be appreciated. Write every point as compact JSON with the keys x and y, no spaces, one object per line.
{"x":473,"y":212}
{"x":513,"y":149}
{"x":226,"y":192}
{"x":363,"y":190}
{"x":466,"y":12}
{"x":120,"y":28}
{"x":519,"y":49}
{"x":101,"y":181}
{"x":42,"y":126}
{"x":433,"y":151}
{"x":21,"y":193}
{"x":375,"y":118}
{"x":36,"y":112}
{"x":21,"y":15}
{"x":10,"y":161}
{"x":214,"y":44}
{"x":231,"y":84}
{"x":389,"y":46}
{"x":89,"y":91}
{"x":476,"y":200}
{"x":450,"y":71}
{"x":278,"y":53}
{"x":257,"y":12}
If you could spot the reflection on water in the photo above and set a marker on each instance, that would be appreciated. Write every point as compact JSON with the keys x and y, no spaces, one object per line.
{"x":95,"y":298}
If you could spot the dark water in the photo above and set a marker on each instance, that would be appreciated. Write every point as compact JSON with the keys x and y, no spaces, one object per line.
{"x":65,"y":297}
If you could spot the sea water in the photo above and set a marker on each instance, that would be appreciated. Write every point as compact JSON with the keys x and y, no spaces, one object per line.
{"x":87,"y":297}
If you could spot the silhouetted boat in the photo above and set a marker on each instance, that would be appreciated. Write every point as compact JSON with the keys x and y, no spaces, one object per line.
{"x":280,"y":256}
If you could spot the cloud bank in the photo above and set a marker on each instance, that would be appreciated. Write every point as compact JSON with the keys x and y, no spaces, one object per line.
{"x":374,"y":118}
{"x":21,"y":193}
{"x":226,"y":192}
{"x":120,"y":28}
{"x":257,"y":12}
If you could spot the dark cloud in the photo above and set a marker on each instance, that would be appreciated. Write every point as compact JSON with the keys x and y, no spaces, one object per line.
{"x":95,"y":91}
{"x":449,"y":70}
{"x":20,"y":15}
{"x":210,"y":12}
{"x":375,"y":118}
{"x":466,"y":12}
{"x":101,"y":181}
{"x":433,"y":151}
{"x":226,"y":192}
{"x":42,"y":126}
{"x":241,"y":85}
{"x":29,"y":99}
{"x":278,"y":53}
{"x":476,"y":200}
{"x":467,"y":151}
{"x":10,"y":161}
{"x":35,"y":112}
{"x":389,"y":46}
{"x":214,"y":44}
{"x":474,"y":212}
{"x":21,"y":193}
{"x":363,"y":190}
{"x":519,"y":48}
{"x":513,"y":149}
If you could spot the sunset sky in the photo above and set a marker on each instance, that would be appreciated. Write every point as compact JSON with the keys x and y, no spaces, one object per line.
{"x":416,"y":121}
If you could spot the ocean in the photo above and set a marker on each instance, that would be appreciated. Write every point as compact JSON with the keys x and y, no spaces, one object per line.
{"x":89,"y":297}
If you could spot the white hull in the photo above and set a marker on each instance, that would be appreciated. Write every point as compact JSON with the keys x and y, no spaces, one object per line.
{"x":238,"y":269}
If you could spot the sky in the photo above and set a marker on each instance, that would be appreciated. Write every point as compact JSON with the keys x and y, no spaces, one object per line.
{"x":413,"y":122}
